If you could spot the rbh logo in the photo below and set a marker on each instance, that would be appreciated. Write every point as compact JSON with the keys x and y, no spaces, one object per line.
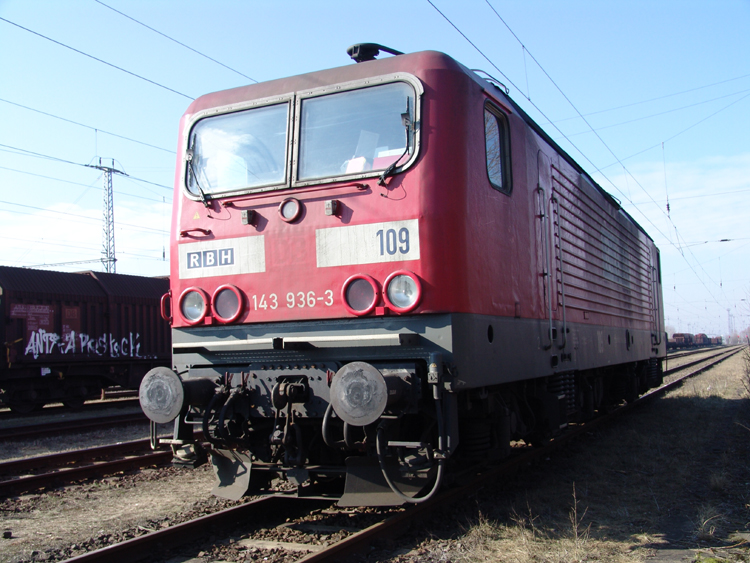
{"x":210,"y":258}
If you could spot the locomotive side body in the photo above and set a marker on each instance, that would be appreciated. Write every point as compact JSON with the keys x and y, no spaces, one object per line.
{"x":68,"y":335}
{"x":383,"y":270}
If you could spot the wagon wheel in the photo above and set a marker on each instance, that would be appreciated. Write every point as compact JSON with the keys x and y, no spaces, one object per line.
{"x":74,"y":402}
{"x":22,"y":407}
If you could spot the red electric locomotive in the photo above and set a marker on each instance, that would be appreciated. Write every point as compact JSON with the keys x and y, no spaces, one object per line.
{"x":385,"y":270}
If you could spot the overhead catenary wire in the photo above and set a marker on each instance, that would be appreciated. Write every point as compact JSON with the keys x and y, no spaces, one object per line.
{"x":176,"y":41}
{"x":67,"y":213}
{"x":95,"y":129}
{"x":76,"y":246}
{"x":549,"y":120}
{"x":56,"y":159}
{"x":665,"y":112}
{"x":92,"y":261}
{"x":669,"y":218}
{"x":657,"y":98}
{"x":98,"y":59}
{"x":118,"y":192}
{"x":666,"y":189}
{"x":598,"y":169}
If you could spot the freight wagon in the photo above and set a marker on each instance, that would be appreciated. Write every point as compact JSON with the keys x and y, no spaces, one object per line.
{"x":69,"y":335}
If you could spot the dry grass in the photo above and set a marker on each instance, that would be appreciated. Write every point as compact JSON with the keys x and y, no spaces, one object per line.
{"x":522,"y":540}
{"x":746,"y":370}
{"x":674,"y":473}
{"x":707,"y":521}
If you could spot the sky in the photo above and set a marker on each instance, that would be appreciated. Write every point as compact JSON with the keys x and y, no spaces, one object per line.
{"x":652,"y":98}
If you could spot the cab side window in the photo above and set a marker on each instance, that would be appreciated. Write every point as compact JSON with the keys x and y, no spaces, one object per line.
{"x":497,"y":146}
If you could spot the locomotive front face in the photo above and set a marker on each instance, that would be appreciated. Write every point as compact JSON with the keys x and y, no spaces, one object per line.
{"x":276,"y":223}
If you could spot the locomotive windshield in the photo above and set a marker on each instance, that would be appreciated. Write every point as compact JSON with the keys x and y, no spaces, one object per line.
{"x":355,"y":131}
{"x":360,"y":132}
{"x":239,"y":150}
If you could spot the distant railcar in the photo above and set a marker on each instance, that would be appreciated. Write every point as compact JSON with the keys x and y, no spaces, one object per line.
{"x":683,"y":340}
{"x":69,"y":335}
{"x":701,"y":339}
{"x":385,"y":270}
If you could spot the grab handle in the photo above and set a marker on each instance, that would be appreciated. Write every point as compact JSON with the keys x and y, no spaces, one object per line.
{"x":167,"y":297}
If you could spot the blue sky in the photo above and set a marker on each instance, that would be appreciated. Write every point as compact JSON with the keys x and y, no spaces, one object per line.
{"x":665,"y":86}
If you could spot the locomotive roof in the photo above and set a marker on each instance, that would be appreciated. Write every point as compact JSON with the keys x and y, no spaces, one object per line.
{"x":414,"y":63}
{"x":423,"y":61}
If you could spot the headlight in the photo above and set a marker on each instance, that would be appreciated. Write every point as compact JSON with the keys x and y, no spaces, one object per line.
{"x":359,"y":294}
{"x":402,"y":291}
{"x":227,"y":303}
{"x":290,"y":209}
{"x":193,"y":305}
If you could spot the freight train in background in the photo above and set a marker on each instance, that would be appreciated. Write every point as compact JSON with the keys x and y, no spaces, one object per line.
{"x":67,"y":336}
{"x":684,"y":340}
{"x":385,"y":271}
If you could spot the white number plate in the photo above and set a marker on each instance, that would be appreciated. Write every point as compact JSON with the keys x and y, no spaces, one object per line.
{"x":394,"y":241}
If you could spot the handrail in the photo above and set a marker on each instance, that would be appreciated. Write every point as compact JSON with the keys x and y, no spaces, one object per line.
{"x":545,"y":246}
{"x":556,"y":203}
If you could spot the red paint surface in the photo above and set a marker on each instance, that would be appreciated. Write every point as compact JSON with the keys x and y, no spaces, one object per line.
{"x":481,"y":250}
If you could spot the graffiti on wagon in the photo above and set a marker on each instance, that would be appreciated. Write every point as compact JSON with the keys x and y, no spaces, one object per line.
{"x":43,"y":342}
{"x":41,"y":338}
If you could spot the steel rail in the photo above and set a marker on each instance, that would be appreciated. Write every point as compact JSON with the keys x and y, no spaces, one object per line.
{"x":77,"y":465}
{"x":68,"y":475}
{"x":72,"y":473}
{"x":698,"y":361}
{"x":14,"y":466}
{"x":121,"y":400}
{"x":270,"y":509}
{"x":683,"y":353}
{"x":63,"y":426}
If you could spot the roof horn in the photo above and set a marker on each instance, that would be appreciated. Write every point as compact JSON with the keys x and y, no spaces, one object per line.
{"x":362,"y":52}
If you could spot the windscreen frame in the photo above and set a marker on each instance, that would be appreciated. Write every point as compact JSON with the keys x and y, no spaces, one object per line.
{"x":293,"y":131}
{"x":287,"y":99}
{"x":405,"y":162}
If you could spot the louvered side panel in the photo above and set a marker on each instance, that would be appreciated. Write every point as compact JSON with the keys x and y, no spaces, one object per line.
{"x":603,"y":262}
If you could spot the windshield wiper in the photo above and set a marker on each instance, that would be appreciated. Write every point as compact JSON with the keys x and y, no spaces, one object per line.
{"x":408,"y":126}
{"x":204,"y":198}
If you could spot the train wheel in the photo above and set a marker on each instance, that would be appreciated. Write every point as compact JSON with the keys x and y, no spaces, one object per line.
{"x":538,"y":439}
{"x":23,"y":408}
{"x":631,"y":386}
{"x":74,"y":402}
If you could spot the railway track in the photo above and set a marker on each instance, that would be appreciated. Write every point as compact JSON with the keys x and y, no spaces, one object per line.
{"x":59,"y":426}
{"x":717,"y":354}
{"x":683,"y":354}
{"x":390,"y":522}
{"x":30,"y":474}
{"x":118,"y":402}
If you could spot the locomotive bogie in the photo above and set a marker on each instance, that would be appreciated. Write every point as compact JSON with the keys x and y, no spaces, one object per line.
{"x":410,"y":276}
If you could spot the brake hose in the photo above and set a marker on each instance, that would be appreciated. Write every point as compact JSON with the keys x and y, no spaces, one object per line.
{"x":440,"y":461}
